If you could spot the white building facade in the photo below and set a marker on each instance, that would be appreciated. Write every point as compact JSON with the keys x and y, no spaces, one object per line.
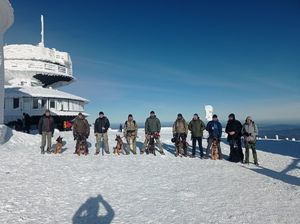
{"x":32,"y":74}
{"x":6,"y":20}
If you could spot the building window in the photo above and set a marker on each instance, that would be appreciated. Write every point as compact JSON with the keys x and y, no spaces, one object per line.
{"x":16,"y":103}
{"x":52,"y":104}
{"x":44,"y":103}
{"x":35,"y":104}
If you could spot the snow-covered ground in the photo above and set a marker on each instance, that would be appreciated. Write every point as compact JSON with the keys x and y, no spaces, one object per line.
{"x":140,"y":189}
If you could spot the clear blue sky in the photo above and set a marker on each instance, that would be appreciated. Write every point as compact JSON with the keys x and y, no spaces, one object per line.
{"x":174,"y":56}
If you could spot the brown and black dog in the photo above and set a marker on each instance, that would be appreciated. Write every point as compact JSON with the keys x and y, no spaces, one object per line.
{"x":214,"y":149}
{"x":59,"y":145}
{"x":119,"y":147}
{"x":151,"y":145}
{"x":82,"y":147}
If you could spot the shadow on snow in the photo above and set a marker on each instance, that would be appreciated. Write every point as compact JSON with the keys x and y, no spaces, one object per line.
{"x":91,"y":213}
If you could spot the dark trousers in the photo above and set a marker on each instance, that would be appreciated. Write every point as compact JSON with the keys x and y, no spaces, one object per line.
{"x":26,"y":128}
{"x":194,"y":141}
{"x":236,"y":144}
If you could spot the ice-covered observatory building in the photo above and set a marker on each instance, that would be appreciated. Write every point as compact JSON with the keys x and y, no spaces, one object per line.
{"x":32,"y":74}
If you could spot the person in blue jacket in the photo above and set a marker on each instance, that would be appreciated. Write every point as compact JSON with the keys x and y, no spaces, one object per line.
{"x":214,"y":129}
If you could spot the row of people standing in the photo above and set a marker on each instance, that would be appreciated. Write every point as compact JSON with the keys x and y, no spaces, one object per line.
{"x":196,"y":126}
{"x":234,"y":129}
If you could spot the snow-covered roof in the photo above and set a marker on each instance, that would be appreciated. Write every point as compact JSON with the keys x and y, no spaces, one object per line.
{"x":37,"y":91}
{"x":37,"y":53}
{"x":67,"y":113}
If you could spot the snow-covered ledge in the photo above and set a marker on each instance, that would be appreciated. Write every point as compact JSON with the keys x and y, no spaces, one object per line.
{"x":6,"y":20}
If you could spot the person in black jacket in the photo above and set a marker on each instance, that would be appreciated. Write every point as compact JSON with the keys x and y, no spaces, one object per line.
{"x":100,"y":129}
{"x":46,"y":129}
{"x":26,"y":122}
{"x":234,"y":131}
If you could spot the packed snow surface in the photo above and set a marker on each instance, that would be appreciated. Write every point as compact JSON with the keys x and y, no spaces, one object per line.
{"x":66,"y":188}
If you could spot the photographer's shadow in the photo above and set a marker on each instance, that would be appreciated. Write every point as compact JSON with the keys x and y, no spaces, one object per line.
{"x":90,"y":212}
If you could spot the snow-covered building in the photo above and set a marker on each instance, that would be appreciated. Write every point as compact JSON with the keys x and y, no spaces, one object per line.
{"x":32,"y":74}
{"x":6,"y":20}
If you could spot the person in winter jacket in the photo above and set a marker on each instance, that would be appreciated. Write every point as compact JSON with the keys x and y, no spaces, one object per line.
{"x":214,"y":129}
{"x":234,"y":131}
{"x":197,"y":126}
{"x":46,"y":129}
{"x":180,"y":131}
{"x":81,"y":130}
{"x":130,"y":133}
{"x":26,"y":122}
{"x":250,"y":132}
{"x":100,"y":129}
{"x":152,"y":128}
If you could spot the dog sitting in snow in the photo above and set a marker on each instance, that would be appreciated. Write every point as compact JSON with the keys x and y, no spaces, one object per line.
{"x":214,"y":149}
{"x":151,"y":145}
{"x":119,"y":147}
{"x":59,"y":145}
{"x":82,"y":148}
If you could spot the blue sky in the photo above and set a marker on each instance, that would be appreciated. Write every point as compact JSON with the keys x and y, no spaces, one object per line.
{"x":174,"y":56}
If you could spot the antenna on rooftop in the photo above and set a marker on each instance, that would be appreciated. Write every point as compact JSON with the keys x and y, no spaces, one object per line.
{"x":42,"y":32}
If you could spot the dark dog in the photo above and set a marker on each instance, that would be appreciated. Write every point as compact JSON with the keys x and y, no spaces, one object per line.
{"x":82,"y":148}
{"x":214,"y":149}
{"x":151,"y":145}
{"x":59,"y":145}
{"x":119,"y":147}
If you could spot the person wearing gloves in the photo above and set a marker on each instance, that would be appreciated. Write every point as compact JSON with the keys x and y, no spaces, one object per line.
{"x":81,"y":130}
{"x":100,"y":129}
{"x":214,"y":129}
{"x":250,"y":131}
{"x":197,"y":126}
{"x":46,"y":129}
{"x":152,"y":128}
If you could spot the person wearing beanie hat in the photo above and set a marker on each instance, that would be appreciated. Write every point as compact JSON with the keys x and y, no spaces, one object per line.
{"x":234,"y":132}
{"x":130,"y":133}
{"x":46,"y":129}
{"x":250,"y":131}
{"x":101,"y":127}
{"x":196,"y":126}
{"x":152,"y":128}
{"x":180,"y":131}
{"x":214,"y":129}
{"x":81,"y":131}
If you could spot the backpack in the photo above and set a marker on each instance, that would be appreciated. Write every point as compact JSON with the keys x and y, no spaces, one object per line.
{"x":126,"y":123}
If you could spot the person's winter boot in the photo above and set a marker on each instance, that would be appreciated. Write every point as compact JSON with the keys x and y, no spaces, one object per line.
{"x":247,"y":155}
{"x":255,"y":158}
{"x":254,"y":155}
{"x":96,"y":153}
{"x":42,"y":150}
{"x":48,"y":150}
{"x":185,"y":154}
